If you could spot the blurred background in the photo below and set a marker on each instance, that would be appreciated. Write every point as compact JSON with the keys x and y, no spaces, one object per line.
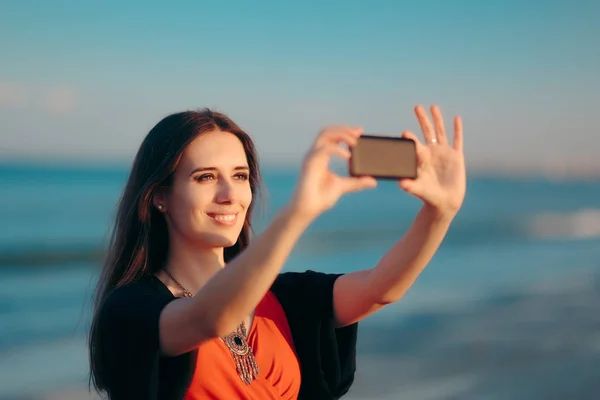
{"x":509,"y":308}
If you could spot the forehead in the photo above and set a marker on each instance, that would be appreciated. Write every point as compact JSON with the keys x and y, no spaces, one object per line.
{"x":215,"y":149}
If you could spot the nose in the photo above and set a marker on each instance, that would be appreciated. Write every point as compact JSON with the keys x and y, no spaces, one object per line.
{"x":226,"y":192}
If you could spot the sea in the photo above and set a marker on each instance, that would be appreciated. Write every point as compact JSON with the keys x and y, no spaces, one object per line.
{"x":509,"y":307}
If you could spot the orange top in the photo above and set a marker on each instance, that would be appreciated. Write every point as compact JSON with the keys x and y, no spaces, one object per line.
{"x":216,"y":376}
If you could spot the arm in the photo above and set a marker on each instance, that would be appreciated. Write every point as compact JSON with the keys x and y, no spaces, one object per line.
{"x":441,"y":185}
{"x":231,"y":294}
{"x":228,"y":297}
{"x":359,"y":294}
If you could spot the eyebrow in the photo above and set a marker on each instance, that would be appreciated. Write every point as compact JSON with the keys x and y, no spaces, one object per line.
{"x":204,"y":169}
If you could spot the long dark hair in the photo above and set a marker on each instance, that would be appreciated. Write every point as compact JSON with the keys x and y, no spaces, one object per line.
{"x":139,"y":242}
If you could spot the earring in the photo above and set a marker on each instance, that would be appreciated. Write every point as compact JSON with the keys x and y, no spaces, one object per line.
{"x":160,"y":207}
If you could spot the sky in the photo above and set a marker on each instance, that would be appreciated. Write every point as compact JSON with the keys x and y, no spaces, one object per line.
{"x":85,"y":81}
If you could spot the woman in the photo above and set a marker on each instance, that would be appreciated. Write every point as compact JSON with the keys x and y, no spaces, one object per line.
{"x":172,"y":322}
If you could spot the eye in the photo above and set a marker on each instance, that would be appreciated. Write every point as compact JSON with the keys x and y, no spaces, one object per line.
{"x":204,"y":177}
{"x":242,"y":176}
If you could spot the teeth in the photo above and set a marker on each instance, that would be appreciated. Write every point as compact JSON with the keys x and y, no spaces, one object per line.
{"x":225,"y":218}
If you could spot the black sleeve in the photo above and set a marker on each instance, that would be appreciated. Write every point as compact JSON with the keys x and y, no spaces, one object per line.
{"x":327,"y":355}
{"x":129,"y":341}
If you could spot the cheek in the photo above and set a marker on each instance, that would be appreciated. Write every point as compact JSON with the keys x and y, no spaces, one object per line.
{"x":244,"y":198}
{"x":247,"y":197}
{"x":188,"y":204}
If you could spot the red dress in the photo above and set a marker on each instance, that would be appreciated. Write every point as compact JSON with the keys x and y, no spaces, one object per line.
{"x":269,"y":336}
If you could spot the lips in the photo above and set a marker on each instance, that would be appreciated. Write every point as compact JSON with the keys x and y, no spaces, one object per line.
{"x":224,"y":219}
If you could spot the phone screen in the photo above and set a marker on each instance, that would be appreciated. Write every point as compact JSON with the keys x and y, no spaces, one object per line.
{"x":384,"y":157}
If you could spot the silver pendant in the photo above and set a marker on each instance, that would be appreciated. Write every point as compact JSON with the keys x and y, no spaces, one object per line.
{"x":242,"y":354}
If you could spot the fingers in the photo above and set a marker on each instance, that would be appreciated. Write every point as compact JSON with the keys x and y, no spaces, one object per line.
{"x":458,"y":134}
{"x":331,"y":149}
{"x":438,"y":121}
{"x":436,"y":134}
{"x":328,"y":143}
{"x":319,"y":157}
{"x":426,"y":127}
{"x":351,"y":184}
{"x":337,"y":134}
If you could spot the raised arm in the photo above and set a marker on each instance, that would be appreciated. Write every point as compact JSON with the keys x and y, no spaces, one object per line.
{"x":229,"y":296}
{"x":441,"y":185}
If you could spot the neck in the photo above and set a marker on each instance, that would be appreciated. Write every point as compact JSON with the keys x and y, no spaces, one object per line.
{"x":192,"y":266}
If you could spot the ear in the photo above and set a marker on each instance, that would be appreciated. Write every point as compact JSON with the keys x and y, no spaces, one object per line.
{"x":159,"y":200}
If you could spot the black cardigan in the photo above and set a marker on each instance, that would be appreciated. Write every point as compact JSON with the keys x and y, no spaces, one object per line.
{"x":134,"y":369}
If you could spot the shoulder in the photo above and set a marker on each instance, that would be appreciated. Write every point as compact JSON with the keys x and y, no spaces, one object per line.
{"x":305,"y":280}
{"x":135,"y":301}
{"x":128,"y":345}
{"x":128,"y":321}
{"x":304,"y":291}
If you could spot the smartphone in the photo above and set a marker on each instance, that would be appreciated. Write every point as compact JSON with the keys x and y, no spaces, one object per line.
{"x":383,"y":157}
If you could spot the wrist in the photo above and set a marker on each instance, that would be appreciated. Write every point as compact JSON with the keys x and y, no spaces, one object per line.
{"x":438,"y":214}
{"x":300,"y":210}
{"x":295,"y":216}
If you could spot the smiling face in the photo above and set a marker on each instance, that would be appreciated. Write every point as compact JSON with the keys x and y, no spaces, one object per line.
{"x":210,"y":194}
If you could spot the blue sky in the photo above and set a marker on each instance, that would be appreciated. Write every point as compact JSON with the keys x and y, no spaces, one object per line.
{"x":83,"y":81}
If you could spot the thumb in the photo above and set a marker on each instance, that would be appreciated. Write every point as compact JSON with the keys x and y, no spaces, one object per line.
{"x":356,"y":184}
{"x":409,"y":135}
{"x":422,"y":155}
{"x":409,"y":185}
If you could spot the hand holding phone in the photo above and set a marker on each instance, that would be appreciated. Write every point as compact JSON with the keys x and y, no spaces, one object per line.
{"x":383,"y":157}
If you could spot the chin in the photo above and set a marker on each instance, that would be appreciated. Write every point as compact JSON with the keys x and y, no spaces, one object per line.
{"x":216,"y":240}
